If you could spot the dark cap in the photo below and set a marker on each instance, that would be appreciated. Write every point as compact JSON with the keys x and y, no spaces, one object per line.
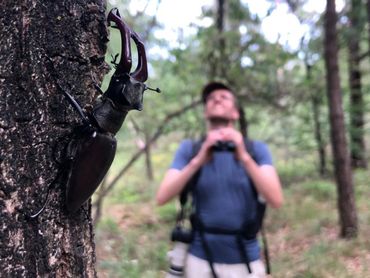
{"x":213,"y":86}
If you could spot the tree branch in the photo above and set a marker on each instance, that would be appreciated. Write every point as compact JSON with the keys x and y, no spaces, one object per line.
{"x":364,"y":55}
{"x":105,"y":190}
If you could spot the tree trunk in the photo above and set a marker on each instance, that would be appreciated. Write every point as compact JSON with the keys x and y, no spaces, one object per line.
{"x":220,"y":24}
{"x":343,"y":172}
{"x":358,"y":152}
{"x":368,"y":24}
{"x":148,"y":157}
{"x":316,"y":100}
{"x":42,"y":42}
{"x":318,"y":137}
{"x":217,"y":57}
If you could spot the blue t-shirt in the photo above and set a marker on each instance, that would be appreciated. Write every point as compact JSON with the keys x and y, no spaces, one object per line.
{"x":224,"y":197}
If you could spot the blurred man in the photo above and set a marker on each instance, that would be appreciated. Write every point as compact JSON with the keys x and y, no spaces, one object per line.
{"x":224,"y":195}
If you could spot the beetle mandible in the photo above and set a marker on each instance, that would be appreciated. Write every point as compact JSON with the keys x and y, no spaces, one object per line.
{"x":92,"y":154}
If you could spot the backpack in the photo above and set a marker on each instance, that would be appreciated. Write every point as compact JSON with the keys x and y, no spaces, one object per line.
{"x":249,"y":230}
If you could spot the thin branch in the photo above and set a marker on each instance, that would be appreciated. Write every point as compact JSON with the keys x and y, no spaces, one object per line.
{"x":136,"y":127}
{"x":102,"y":193}
{"x":364,"y":55}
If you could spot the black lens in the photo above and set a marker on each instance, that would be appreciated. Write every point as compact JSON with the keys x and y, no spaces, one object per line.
{"x":181,"y":235}
{"x":220,"y":146}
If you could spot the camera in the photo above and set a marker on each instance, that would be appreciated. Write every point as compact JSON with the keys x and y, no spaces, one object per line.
{"x":182,"y":235}
{"x":224,"y":146}
{"x":177,"y":256}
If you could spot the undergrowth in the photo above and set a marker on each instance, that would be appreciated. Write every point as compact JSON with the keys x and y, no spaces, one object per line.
{"x":132,"y":238}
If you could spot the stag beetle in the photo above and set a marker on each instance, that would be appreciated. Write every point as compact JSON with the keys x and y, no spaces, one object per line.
{"x":92,"y":153}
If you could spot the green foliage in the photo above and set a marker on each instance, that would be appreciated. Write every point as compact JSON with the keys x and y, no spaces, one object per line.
{"x":297,"y":168}
{"x":303,"y":234}
{"x":168,"y":213}
{"x":109,"y":225}
{"x":321,"y":190}
{"x":277,"y":93}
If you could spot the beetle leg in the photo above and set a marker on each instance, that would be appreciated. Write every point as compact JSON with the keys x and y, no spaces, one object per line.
{"x":68,"y":96}
{"x":96,"y":86}
{"x":114,"y":60}
{"x":141,"y":71}
{"x":42,"y":208}
{"x":47,"y":200}
{"x":77,"y":107}
{"x":124,"y":65}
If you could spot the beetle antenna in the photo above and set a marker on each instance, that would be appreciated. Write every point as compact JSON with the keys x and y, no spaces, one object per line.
{"x":151,"y":89}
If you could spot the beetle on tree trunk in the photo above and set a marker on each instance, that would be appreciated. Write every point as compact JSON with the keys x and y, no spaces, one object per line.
{"x":91,"y":153}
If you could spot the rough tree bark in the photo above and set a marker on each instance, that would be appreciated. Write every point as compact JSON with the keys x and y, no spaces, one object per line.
{"x":342,"y":165}
{"x":42,"y":41}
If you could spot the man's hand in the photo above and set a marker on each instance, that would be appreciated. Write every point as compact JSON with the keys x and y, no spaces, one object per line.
{"x":233,"y":135}
{"x":205,"y":152}
{"x":222,"y":134}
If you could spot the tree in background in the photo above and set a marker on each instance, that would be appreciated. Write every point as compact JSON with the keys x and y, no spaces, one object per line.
{"x":219,"y":63}
{"x":313,"y":86}
{"x":43,"y":44}
{"x":270,"y":80}
{"x":357,"y":106}
{"x":342,"y":165}
{"x":316,"y":100}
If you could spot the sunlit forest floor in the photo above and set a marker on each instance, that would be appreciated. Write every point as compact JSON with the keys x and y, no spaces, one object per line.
{"x":132,"y":238}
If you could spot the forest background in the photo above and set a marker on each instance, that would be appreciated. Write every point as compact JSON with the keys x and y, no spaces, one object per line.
{"x":300,"y":70}
{"x":280,"y":78}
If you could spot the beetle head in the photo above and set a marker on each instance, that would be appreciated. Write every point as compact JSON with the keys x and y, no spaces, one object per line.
{"x":126,"y":92}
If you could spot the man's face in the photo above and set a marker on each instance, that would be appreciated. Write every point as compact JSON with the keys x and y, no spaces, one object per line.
{"x":221,"y":104}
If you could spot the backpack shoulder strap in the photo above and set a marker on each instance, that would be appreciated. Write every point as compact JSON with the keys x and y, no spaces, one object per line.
{"x":183,"y":197}
{"x":250,"y":147}
{"x":261,"y":209}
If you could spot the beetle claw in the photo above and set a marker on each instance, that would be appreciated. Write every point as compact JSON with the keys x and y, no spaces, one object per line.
{"x":141,"y":71}
{"x":124,"y":65}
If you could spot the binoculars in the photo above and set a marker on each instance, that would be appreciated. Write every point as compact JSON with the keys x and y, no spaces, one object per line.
{"x":223,"y":146}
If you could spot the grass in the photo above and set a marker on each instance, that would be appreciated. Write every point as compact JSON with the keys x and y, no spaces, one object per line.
{"x":132,"y":238}
{"x":139,"y":247}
